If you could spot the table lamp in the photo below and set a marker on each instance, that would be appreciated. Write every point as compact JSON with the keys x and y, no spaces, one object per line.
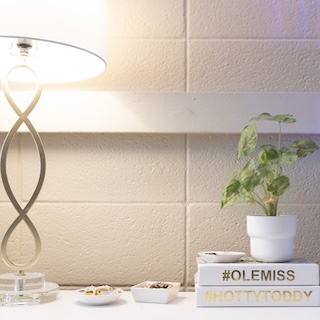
{"x":41,"y":42}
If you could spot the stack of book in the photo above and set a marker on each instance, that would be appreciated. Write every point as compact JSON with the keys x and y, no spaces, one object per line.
{"x":250,"y":283}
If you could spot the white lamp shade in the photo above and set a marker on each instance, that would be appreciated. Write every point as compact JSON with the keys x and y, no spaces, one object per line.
{"x":68,"y":37}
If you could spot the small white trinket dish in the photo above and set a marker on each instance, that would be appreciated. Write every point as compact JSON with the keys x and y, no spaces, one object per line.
{"x":146,"y":292}
{"x":220,"y":256}
{"x":104,"y":297}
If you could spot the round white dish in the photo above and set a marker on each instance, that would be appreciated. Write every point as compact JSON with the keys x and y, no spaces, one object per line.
{"x":221,"y":256}
{"x":105,"y":297}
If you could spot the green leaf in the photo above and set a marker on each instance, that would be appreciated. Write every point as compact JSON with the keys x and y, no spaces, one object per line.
{"x":271,"y":151}
{"x":228,"y":202}
{"x":249,"y":176}
{"x":279,"y":186}
{"x":266,"y":172}
{"x":263,"y":116}
{"x":288,"y":156}
{"x":285,"y":118}
{"x":231,"y":196}
{"x":304,"y":147}
{"x":247,"y":196}
{"x":231,"y":191}
{"x":231,"y":188}
{"x":264,"y":169}
{"x":262,"y":156}
{"x":248,"y":140}
{"x":271,"y":176}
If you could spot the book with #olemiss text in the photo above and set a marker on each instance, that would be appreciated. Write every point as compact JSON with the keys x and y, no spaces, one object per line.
{"x":251,"y":273}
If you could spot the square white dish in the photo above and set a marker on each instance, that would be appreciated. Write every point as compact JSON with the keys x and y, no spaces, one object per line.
{"x":142,"y":293}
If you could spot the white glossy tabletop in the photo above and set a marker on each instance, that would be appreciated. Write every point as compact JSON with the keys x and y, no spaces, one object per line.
{"x":183,"y":307}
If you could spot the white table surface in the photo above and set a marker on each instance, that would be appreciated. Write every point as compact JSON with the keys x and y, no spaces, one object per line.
{"x":183,"y":307}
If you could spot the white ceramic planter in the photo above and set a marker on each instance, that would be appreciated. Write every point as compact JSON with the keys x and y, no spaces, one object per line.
{"x":272,"y":238}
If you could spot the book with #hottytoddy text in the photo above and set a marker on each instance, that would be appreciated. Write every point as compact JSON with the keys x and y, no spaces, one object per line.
{"x":251,"y":273}
{"x":257,"y":296}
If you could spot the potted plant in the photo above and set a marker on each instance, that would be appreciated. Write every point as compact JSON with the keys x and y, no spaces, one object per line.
{"x":262,"y":181}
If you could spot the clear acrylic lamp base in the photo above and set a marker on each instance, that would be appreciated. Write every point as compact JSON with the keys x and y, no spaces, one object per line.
{"x":27,"y":289}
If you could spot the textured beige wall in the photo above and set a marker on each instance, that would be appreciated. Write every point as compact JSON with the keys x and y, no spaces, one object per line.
{"x":123,"y":208}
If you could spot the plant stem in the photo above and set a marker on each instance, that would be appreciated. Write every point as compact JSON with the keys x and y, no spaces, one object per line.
{"x":279,"y":136}
{"x":276,"y":206}
{"x":260,"y":202}
{"x":278,"y":170}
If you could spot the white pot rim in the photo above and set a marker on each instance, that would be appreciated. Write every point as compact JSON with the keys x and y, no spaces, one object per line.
{"x":281,"y":217}
{"x":263,"y":215}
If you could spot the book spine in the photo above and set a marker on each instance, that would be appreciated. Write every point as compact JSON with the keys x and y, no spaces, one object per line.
{"x":257,"y":296}
{"x":264,"y":274}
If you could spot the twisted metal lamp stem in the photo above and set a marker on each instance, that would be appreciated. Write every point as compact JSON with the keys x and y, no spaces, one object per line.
{"x":22,"y":212}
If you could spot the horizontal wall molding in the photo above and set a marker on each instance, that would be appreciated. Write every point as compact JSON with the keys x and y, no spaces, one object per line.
{"x":98,"y":111}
